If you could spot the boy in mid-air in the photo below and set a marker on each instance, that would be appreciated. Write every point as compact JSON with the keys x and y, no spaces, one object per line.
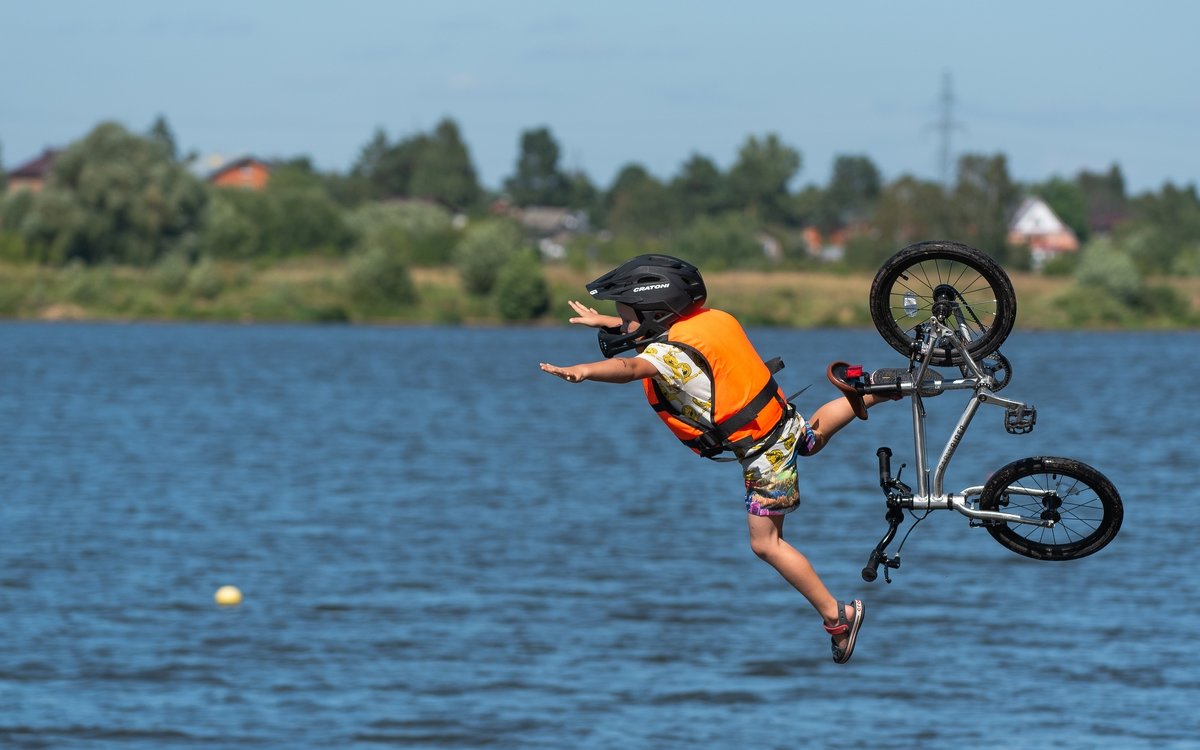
{"x":703,"y":377}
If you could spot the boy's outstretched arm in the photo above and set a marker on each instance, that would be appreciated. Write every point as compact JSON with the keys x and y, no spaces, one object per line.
{"x":618,"y":370}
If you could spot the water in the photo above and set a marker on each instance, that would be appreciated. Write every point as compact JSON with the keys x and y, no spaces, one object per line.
{"x":441,"y":547}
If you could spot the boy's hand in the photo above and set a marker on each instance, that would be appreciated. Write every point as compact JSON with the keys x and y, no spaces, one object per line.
{"x":573,"y":374}
{"x":590,"y":317}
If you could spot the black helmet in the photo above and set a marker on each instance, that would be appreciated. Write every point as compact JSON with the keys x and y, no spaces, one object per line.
{"x":659,"y":288}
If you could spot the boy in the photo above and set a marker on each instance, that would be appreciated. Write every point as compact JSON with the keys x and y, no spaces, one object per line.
{"x":706,"y":382}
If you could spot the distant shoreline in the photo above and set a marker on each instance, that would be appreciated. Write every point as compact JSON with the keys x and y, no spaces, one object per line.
{"x":313,"y":290}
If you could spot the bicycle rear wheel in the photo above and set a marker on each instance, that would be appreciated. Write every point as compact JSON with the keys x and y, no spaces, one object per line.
{"x":1084,"y":505}
{"x":968,"y":289}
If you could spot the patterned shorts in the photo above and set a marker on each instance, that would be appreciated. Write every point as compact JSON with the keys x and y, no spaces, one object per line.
{"x":772,"y":488}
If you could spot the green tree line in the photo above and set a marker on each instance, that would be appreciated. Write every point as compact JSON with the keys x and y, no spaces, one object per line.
{"x":120,"y":197}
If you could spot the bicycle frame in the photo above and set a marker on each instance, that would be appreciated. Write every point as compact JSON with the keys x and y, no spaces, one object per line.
{"x":942,"y":304}
{"x":930,"y":493}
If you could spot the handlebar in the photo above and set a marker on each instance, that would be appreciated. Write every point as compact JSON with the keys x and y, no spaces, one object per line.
{"x":885,"y":466}
{"x":871,"y":571}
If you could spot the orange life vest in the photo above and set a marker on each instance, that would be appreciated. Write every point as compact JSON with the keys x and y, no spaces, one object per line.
{"x":747,"y":404}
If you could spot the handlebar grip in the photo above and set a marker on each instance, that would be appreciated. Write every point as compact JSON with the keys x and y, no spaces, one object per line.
{"x":871,"y":570}
{"x":885,"y":466}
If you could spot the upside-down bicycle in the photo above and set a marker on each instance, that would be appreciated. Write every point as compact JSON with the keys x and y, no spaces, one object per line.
{"x":945,"y":304}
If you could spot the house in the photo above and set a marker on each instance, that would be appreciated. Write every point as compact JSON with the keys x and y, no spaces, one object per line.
{"x":828,"y":247}
{"x":32,"y":174}
{"x":552,"y":226}
{"x":459,"y":220}
{"x":831,"y":246}
{"x":1036,"y":226}
{"x":245,"y":172}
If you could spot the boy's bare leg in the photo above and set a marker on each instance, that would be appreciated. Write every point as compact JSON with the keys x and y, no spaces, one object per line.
{"x":835,"y":415}
{"x":766,"y":539}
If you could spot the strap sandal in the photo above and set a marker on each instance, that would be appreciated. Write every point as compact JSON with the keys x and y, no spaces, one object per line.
{"x":849,"y":628}
{"x":844,"y":377}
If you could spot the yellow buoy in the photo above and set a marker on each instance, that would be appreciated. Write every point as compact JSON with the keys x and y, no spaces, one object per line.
{"x":228,"y":596}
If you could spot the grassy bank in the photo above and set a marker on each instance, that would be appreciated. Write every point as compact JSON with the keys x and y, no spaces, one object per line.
{"x":315,"y":290}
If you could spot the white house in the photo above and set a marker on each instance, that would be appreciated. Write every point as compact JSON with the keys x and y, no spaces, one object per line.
{"x":1037,"y":226}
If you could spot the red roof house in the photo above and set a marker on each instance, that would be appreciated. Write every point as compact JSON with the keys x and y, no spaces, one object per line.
{"x":32,"y":174}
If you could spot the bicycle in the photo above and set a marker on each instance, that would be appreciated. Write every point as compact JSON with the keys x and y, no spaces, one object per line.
{"x":945,"y":304}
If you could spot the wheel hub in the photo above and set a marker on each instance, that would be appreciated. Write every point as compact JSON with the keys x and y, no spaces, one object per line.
{"x":1051,"y":503}
{"x":944,"y":296}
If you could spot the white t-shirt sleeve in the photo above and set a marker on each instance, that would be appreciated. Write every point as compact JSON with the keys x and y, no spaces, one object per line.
{"x":684,"y":383}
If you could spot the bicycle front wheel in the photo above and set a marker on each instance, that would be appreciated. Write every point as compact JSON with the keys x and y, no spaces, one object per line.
{"x":1083,"y":504}
{"x":969,"y":290}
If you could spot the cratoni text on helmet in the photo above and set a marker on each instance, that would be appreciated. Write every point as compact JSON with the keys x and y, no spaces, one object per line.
{"x":651,"y":286}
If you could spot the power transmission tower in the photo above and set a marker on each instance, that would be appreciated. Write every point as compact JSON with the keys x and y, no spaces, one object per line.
{"x":946,"y":125}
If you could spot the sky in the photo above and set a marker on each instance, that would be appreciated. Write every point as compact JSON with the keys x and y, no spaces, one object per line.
{"x":1057,"y":87}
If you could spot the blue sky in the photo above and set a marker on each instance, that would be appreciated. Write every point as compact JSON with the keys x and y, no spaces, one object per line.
{"x":1057,"y":87}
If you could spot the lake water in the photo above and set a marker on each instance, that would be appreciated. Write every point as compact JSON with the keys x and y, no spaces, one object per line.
{"x":442,"y":547}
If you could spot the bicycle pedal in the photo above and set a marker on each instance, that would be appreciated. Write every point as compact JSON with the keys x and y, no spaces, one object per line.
{"x":1019,"y":420}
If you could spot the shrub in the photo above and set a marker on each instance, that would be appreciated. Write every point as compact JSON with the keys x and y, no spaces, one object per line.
{"x":204,"y":280}
{"x":1064,"y":264}
{"x":378,"y":277}
{"x":484,"y":251}
{"x":12,"y":247}
{"x":1105,"y":270}
{"x":171,"y":273}
{"x":725,"y":241}
{"x":423,"y":234}
{"x":521,"y":291}
{"x":83,"y":285}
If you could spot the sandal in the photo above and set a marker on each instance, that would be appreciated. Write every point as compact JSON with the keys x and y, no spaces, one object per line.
{"x":841,"y":374}
{"x":842,"y":654}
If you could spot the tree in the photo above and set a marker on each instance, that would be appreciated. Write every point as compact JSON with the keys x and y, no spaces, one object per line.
{"x":371,"y":160}
{"x":294,"y":215}
{"x":984,"y":198}
{"x":436,"y":165}
{"x":538,"y":181}
{"x":716,"y":242}
{"x":910,"y":210}
{"x":699,"y":189}
{"x":759,"y":179}
{"x":308,"y":219}
{"x":1163,"y":228}
{"x":1105,"y":198}
{"x":853,"y":190}
{"x":442,"y":169}
{"x":115,"y":196}
{"x":582,"y":194}
{"x":638,"y":203}
{"x":161,"y":134}
{"x":389,"y":167}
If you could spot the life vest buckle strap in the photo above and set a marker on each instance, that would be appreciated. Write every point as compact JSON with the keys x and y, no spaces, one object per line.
{"x":708,"y":444}
{"x":750,"y":411}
